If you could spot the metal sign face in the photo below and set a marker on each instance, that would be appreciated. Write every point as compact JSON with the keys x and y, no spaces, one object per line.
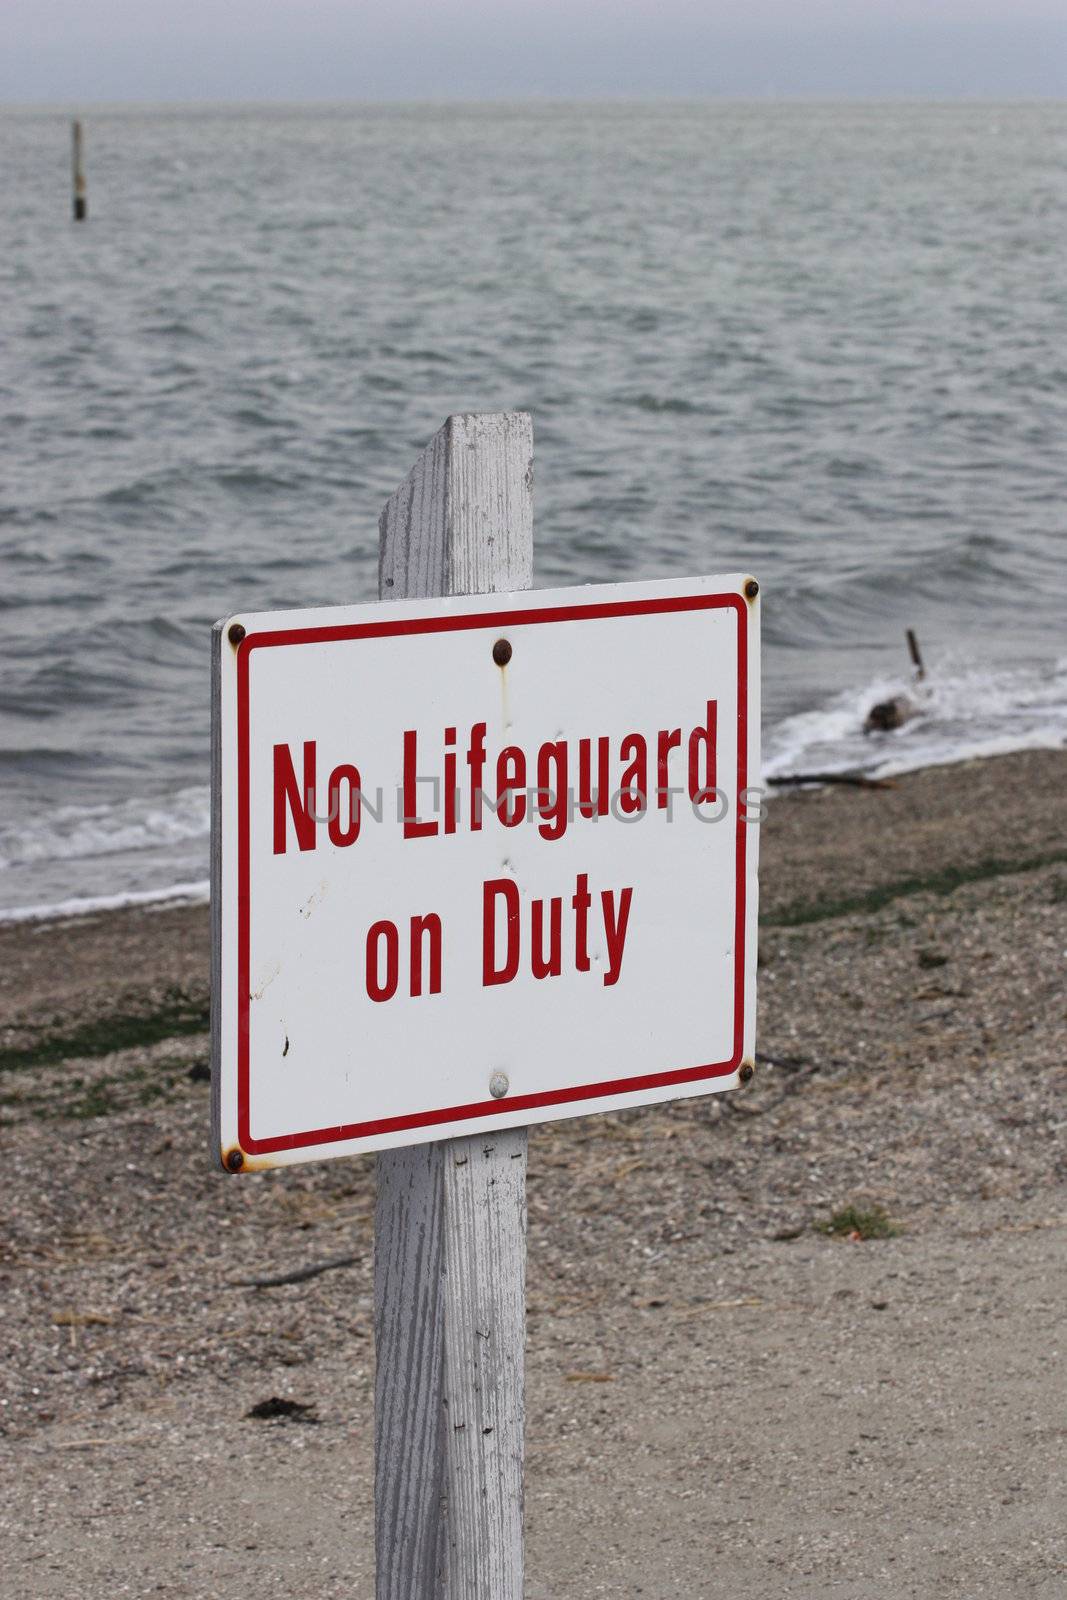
{"x":481,"y":862}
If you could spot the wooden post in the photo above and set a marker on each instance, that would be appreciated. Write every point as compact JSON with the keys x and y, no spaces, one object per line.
{"x":450,"y":1219}
{"x":81,"y":204}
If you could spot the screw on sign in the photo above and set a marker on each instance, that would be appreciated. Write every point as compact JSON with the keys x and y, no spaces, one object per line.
{"x":482,"y":856}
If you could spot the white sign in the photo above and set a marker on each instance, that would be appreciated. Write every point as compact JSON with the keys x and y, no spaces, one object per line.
{"x":481,"y":862}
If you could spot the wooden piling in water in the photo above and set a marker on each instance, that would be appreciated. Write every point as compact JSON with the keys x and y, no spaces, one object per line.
{"x":81,"y":203}
{"x":916,"y":655}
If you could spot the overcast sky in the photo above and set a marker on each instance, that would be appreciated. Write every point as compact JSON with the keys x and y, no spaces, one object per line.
{"x":63,"y":51}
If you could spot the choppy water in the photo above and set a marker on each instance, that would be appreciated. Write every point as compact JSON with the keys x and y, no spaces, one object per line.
{"x":827,"y":344}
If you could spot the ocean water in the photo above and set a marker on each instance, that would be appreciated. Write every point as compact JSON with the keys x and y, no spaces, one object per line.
{"x":824,"y":343}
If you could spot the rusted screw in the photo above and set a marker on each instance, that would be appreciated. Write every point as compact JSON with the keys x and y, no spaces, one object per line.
{"x":502,"y":652}
{"x":752,"y":588}
{"x":236,"y":632}
{"x":235,"y":1160}
{"x":746,"y":1072}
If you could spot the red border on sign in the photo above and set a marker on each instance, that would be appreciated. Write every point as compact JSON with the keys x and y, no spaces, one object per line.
{"x":455,"y":624}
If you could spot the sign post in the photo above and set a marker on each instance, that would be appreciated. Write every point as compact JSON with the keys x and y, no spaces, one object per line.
{"x":450,"y":1220}
{"x":480,"y":858}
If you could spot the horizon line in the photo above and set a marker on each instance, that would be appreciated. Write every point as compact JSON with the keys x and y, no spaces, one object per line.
{"x":529,"y":97}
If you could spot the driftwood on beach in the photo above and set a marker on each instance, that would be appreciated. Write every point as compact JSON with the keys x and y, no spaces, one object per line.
{"x":853,"y":780}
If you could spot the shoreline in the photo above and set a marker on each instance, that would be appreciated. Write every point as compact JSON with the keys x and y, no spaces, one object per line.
{"x":115,"y":978}
{"x":175,"y":894}
{"x":775,"y":786}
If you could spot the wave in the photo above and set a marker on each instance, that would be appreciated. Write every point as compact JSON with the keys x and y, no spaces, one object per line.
{"x":962,"y":712}
{"x":196,"y":893}
{"x":72,"y":833}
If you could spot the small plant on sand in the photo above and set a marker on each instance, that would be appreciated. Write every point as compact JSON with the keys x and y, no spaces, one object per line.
{"x":859,"y":1222}
{"x":97,"y":1102}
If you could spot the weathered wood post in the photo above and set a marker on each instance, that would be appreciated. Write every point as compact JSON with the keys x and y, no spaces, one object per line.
{"x":450,"y":1221}
{"x":81,"y":203}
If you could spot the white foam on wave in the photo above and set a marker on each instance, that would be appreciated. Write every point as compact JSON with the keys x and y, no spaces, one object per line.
{"x":965,"y":712}
{"x":71,"y":833}
{"x":196,"y":893}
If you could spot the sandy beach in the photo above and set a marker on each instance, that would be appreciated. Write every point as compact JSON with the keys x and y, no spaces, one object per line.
{"x":723,"y":1399}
